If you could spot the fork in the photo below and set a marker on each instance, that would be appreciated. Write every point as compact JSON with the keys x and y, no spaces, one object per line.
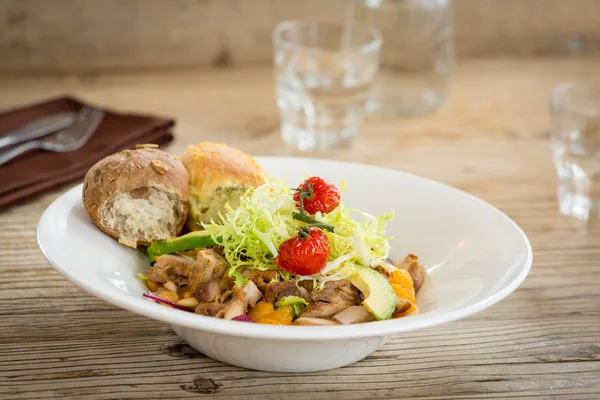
{"x":69,"y":139}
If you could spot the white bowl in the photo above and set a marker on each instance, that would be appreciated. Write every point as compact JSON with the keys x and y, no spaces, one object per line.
{"x":474,"y":254}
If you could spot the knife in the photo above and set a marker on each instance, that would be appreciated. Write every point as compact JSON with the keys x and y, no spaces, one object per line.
{"x":38,"y":128}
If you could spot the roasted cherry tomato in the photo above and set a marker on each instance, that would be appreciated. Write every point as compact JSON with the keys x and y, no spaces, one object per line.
{"x":305,"y":254}
{"x":319,"y":195}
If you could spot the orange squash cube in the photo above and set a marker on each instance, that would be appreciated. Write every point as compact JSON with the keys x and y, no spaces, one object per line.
{"x":261,"y":310}
{"x":284,"y":314}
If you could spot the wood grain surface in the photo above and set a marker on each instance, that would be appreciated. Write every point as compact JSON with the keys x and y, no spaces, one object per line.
{"x":490,"y":139}
{"x":81,"y":35}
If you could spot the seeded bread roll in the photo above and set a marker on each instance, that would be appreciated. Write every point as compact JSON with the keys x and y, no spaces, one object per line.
{"x":137,"y":196}
{"x":219,"y":175}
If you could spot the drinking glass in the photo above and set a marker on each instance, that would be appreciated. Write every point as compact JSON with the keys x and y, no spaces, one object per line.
{"x":575,"y":114}
{"x":417,"y":55}
{"x":324,"y":72}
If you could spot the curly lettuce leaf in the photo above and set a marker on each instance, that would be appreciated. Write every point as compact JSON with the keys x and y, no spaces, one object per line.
{"x":365,"y":241}
{"x":251,"y":234}
{"x":142,"y":276}
{"x":240,"y":281}
{"x":297,"y":303}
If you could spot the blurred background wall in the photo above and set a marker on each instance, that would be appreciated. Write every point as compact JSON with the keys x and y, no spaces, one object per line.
{"x":60,"y":36}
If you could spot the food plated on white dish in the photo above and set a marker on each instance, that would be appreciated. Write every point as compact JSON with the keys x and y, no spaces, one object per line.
{"x":315,"y":262}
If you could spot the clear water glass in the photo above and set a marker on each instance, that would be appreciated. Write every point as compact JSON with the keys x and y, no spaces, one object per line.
{"x":324,"y":73}
{"x":417,"y":54}
{"x":575,"y":114}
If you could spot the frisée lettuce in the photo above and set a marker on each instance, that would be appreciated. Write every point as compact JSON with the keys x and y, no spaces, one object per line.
{"x":252,"y":233}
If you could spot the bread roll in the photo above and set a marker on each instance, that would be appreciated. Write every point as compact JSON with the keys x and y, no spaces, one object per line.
{"x":137,"y":196}
{"x":219,"y":175}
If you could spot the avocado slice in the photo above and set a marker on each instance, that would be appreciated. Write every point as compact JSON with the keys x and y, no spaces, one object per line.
{"x":192,"y":240}
{"x":380,"y":298}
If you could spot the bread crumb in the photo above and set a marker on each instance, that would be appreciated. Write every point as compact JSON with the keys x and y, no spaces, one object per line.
{"x":128,"y":243}
{"x":146,"y":146}
{"x":159,"y":166}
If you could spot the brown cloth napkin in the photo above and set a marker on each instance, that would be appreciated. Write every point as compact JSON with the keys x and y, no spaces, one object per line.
{"x":38,"y":171}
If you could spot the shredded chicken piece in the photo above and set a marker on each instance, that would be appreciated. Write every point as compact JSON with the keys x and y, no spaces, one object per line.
{"x":210,"y":309}
{"x":335,"y":297}
{"x":416,"y":270}
{"x":208,"y":292}
{"x":208,"y":265}
{"x":341,"y":291}
{"x":386,"y":269}
{"x":353,"y":315}
{"x":170,"y":267}
{"x":238,"y":305}
{"x":309,"y":285}
{"x":225,"y":296}
{"x":276,"y":290}
{"x":402,"y":305}
{"x":260,"y":278}
{"x":321,"y":309}
{"x":156,"y":274}
{"x":181,"y":265}
{"x":253,"y":294}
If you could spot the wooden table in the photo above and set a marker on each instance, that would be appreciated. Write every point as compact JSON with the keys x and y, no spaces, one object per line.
{"x":491,"y":139}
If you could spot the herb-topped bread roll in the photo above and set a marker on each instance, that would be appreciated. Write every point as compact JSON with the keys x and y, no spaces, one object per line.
{"x":137,"y":196}
{"x":219,"y":175}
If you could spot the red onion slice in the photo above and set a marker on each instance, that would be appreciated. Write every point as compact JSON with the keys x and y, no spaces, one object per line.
{"x":243,"y":318}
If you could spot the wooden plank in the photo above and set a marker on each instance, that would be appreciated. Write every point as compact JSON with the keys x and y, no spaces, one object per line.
{"x":542,"y":342}
{"x":79,"y":35}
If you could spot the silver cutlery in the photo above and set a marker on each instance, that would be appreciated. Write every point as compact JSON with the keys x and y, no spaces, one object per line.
{"x":38,"y":128}
{"x":69,"y":139}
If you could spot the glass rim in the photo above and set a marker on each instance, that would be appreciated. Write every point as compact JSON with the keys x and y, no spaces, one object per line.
{"x":373,"y":45}
{"x":558,"y":92}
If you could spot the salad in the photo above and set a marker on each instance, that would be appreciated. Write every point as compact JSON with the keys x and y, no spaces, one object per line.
{"x":286,"y":256}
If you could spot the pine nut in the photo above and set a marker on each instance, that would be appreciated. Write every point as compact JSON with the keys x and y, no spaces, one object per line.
{"x":190,"y":302}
